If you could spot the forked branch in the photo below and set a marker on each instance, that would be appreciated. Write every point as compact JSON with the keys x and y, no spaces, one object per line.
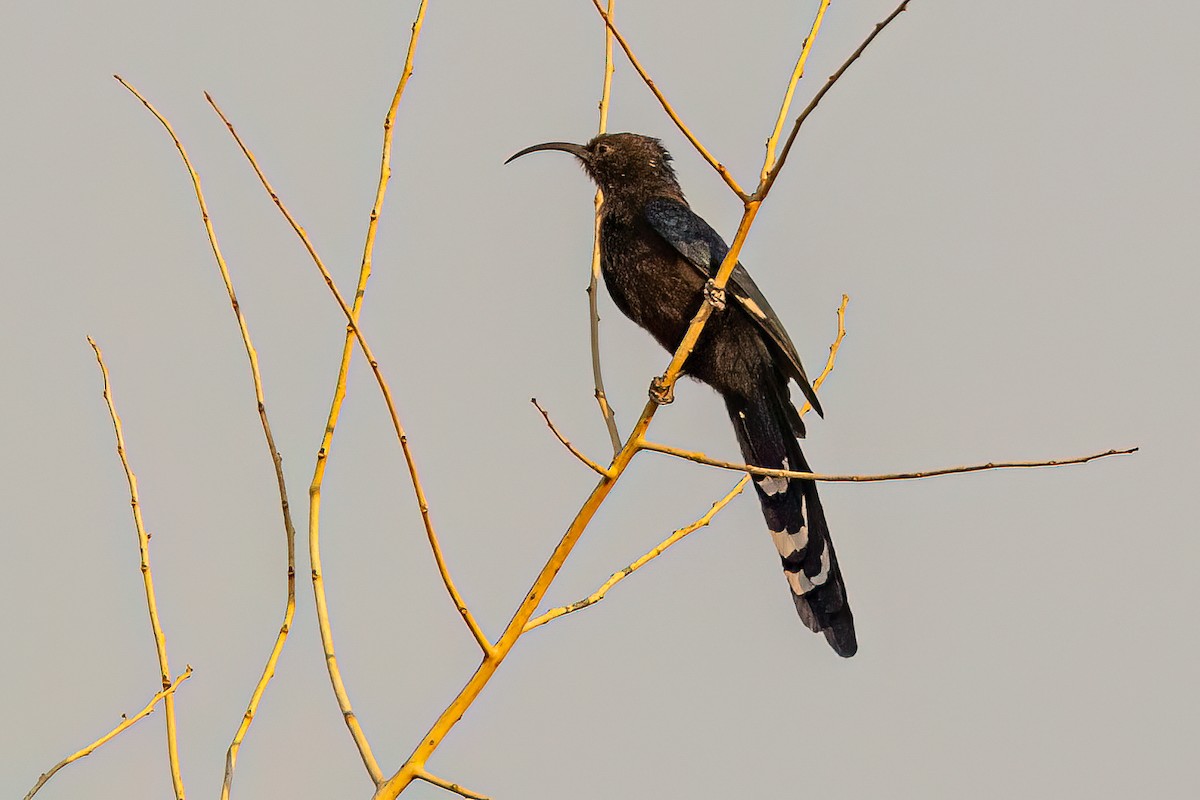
{"x":797,"y":74}
{"x":401,"y":436}
{"x":290,"y":606}
{"x":655,"y":552}
{"x":126,"y":723}
{"x":565,"y":442}
{"x":160,"y":640}
{"x":666,"y":105}
{"x":768,"y":180}
{"x":355,"y":331}
{"x":289,"y":611}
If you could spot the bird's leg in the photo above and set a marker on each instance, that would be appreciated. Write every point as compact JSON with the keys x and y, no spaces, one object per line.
{"x":713,"y":296}
{"x":662,"y":392}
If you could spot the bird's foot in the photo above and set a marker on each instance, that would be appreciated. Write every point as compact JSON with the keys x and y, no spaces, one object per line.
{"x":713,"y":296}
{"x":661,"y":392}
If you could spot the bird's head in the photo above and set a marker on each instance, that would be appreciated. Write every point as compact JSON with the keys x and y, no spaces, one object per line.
{"x":621,"y":164}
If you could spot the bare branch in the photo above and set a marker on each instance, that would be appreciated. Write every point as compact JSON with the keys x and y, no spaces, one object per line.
{"x":450,"y":787}
{"x":701,"y":458}
{"x":339,"y":688}
{"x":276,"y":459}
{"x":335,"y":407}
{"x":833,"y":351}
{"x":160,"y":640}
{"x":617,"y":577}
{"x":402,"y":437}
{"x":354,"y":333}
{"x":558,"y":435}
{"x":765,"y":185}
{"x":127,"y":722}
{"x":606,"y":410}
{"x":797,"y":73}
{"x":691,"y":137}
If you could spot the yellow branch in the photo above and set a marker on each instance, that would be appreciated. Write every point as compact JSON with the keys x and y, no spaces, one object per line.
{"x":565,"y":443}
{"x":662,"y":100}
{"x":797,"y":73}
{"x":289,"y":611}
{"x":833,"y":351}
{"x":701,"y":458}
{"x":449,"y":786}
{"x":335,"y":407}
{"x":617,"y":577}
{"x":126,"y":723}
{"x":768,"y":180}
{"x":606,"y":410}
{"x":160,"y":641}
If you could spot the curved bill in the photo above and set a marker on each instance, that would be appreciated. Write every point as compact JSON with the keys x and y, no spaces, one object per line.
{"x":576,"y":150}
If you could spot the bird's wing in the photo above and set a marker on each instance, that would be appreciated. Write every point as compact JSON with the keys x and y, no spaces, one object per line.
{"x":703,"y":247}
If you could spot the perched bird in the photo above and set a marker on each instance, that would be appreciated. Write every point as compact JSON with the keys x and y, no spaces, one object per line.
{"x":658,"y":258}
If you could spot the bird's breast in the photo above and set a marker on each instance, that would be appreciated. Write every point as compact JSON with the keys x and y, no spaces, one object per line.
{"x":648,"y":280}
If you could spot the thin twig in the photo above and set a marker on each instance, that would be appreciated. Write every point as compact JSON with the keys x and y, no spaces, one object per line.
{"x":606,"y":410}
{"x":701,"y":458}
{"x":609,"y":67}
{"x":565,"y":442}
{"x":450,"y":787}
{"x":691,"y":137}
{"x":127,"y":722}
{"x":833,"y":351}
{"x":160,"y":641}
{"x":617,"y":577}
{"x":797,"y":73}
{"x":765,"y":185}
{"x":276,"y":460}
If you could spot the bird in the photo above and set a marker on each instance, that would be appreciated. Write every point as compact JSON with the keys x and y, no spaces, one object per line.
{"x":658,"y":258}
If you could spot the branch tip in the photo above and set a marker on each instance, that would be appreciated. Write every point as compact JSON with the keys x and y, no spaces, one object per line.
{"x":566,"y":443}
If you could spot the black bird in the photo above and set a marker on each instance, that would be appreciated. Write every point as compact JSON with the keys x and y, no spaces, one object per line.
{"x":658,"y":258}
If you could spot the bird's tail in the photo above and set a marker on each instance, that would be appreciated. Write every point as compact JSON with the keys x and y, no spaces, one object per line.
{"x":767,"y":427}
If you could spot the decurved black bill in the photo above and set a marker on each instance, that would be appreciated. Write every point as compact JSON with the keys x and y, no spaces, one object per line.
{"x":567,"y":147}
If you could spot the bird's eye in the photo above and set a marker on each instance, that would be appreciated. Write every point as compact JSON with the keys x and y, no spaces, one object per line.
{"x":603,"y":149}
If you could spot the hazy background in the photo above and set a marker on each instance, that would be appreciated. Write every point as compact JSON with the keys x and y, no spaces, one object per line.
{"x":1008,"y":193}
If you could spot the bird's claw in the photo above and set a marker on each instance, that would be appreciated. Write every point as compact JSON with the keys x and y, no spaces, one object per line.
{"x":713,"y":296}
{"x":662,"y":392}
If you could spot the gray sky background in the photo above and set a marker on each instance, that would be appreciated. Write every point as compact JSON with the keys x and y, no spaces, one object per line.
{"x":1008,"y":193}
